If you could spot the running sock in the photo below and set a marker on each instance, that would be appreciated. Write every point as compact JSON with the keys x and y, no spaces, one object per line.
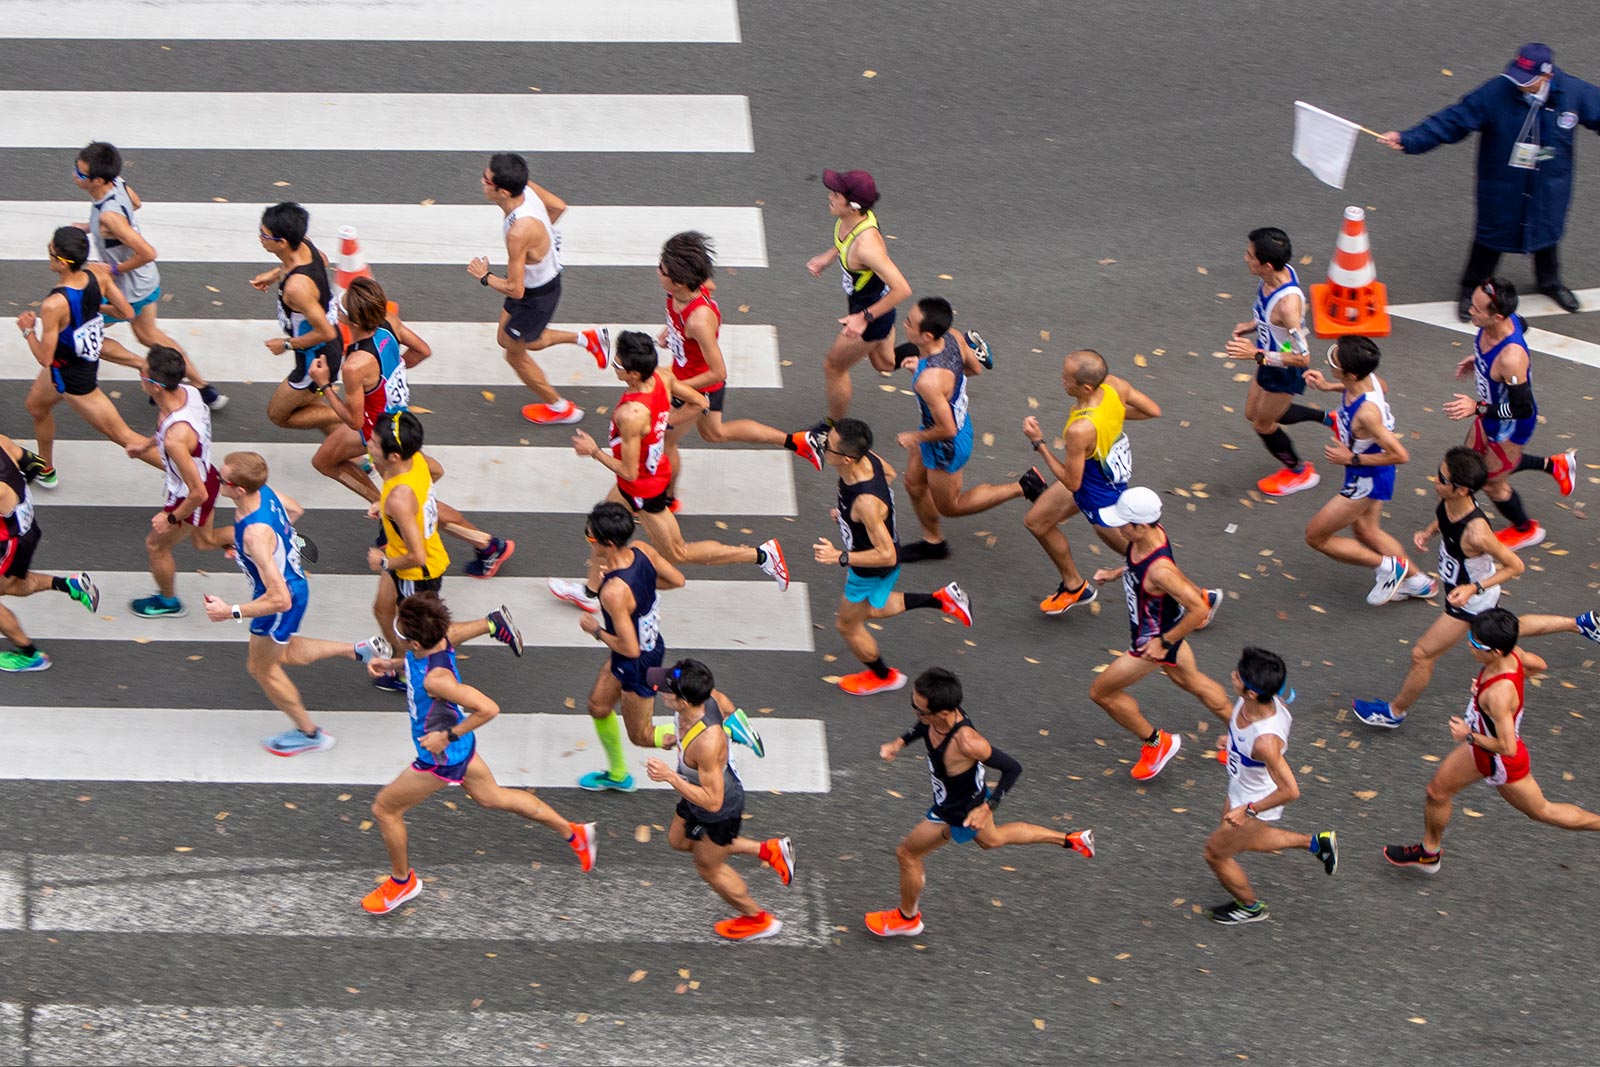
{"x":591,"y":593}
{"x":60,"y":585}
{"x":315,"y":730}
{"x":1312,"y":848}
{"x":907,"y":918}
{"x":879,"y":668}
{"x":788,"y":442}
{"x":30,"y":649}
{"x":1532,"y":463}
{"x":609,"y":730}
{"x":1277,"y":442}
{"x":1154,"y":739}
{"x":1511,"y":507}
{"x":1300,"y":413}
{"x":401,"y":881}
{"x":921,"y":600}
{"x":761,"y":557}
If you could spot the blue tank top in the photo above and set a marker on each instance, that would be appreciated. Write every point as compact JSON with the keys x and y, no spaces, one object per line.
{"x":286,"y":554}
{"x":646,"y":615}
{"x":1491,"y":392}
{"x":947,"y":358}
{"x":430,"y":713}
{"x":79,"y":341}
{"x":1149,"y":614}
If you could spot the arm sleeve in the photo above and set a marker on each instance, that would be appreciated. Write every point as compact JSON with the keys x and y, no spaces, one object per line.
{"x":1452,"y":124}
{"x":918,"y":731}
{"x":1010,"y":770}
{"x":1519,"y":402}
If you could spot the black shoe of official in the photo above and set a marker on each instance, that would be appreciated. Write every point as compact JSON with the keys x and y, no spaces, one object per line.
{"x":1565,"y":299}
{"x":1032,"y":483}
{"x":1464,"y":306}
{"x":917,"y":551}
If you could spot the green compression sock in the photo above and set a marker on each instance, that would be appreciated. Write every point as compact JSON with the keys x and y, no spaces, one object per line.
{"x":609,"y":730}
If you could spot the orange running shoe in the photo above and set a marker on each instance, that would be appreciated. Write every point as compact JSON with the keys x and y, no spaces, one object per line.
{"x":800,"y":441}
{"x":778,"y":853}
{"x":749,"y":927}
{"x":865,"y":683}
{"x":391,"y":894}
{"x":953,"y":601}
{"x":1152,"y":758}
{"x":1082,"y":841}
{"x":1517,"y":540}
{"x":583,"y":843}
{"x":1062,"y":599}
{"x":892,"y":924}
{"x":597,"y":339}
{"x":1562,"y":468}
{"x":1284,"y":482}
{"x":564,"y":414}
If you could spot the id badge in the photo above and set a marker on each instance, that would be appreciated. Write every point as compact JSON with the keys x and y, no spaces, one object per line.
{"x":1525,"y":155}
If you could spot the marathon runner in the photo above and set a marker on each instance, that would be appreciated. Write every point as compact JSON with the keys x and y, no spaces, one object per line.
{"x":306,"y":312}
{"x":963,"y":803}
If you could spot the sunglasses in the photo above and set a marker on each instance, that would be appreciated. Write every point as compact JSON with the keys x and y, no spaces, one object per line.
{"x":224,"y":481}
{"x":1479,"y":645}
{"x":836,"y":452}
{"x":1443,"y":480}
{"x":265,"y":236}
{"x":922,"y":713}
{"x":80,"y":175}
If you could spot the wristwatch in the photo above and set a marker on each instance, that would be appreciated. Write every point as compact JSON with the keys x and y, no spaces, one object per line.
{"x":866,"y":314}
{"x":172,"y":520}
{"x":238,"y":615}
{"x":484,"y":281}
{"x":844,"y":559}
{"x":1250,"y":810}
{"x":450,"y":735}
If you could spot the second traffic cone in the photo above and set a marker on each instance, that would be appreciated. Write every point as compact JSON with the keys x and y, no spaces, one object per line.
{"x":1352,"y":301}
{"x":351,"y":265}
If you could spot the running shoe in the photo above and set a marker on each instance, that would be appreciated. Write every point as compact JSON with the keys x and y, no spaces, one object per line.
{"x":778,"y":853}
{"x":953,"y":601}
{"x":1517,"y":540}
{"x":892,"y":924}
{"x":212,"y":399}
{"x":1325,"y":845}
{"x":1082,"y":841}
{"x":1417,"y":587}
{"x":488,"y":561}
{"x":1213,"y":605}
{"x":1414,"y":856}
{"x":375,"y":647}
{"x":917,"y":551}
{"x":1391,"y":572}
{"x":749,"y":927}
{"x":504,"y":629}
{"x":1377,"y":713}
{"x":564,"y":414}
{"x":47,"y":478}
{"x":1032,"y":483}
{"x":575,"y":593}
{"x":597,"y":339}
{"x":295,"y":743}
{"x":159,"y":607}
{"x":800,"y":442}
{"x":390,"y":894}
{"x":602,"y":782}
{"x":1588,"y":625}
{"x":772,"y":563}
{"x":1562,"y":468}
{"x":1063,"y":598}
{"x":307,"y":547}
{"x":1285,"y":482}
{"x":865,"y":683}
{"x":81,"y":587}
{"x":980,"y":348}
{"x":817,"y":437}
{"x":737,"y":727}
{"x":674,"y":504}
{"x":1234,"y":913}
{"x":35,"y":470}
{"x":584,"y":843}
{"x":1153,"y":758}
{"x":389,"y":683}
{"x":14,"y":662}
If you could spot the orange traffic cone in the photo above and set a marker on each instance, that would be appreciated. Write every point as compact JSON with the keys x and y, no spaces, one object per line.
{"x":351,"y":265}
{"x":1352,"y":301}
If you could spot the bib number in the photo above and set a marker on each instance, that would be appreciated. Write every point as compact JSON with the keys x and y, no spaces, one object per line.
{"x":1449,"y":569}
{"x":86,"y":339}
{"x":847,"y":280}
{"x":1119,"y":461}
{"x":939,"y":793}
{"x":675,"y":345}
{"x":650,"y":627}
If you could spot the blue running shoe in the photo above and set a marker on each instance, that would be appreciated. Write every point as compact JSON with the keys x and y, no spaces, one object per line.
{"x":504,"y":629}
{"x":389,"y":683}
{"x":980,"y":348}
{"x":1588,"y":625}
{"x":159,"y":607}
{"x":81,"y":587}
{"x":488,"y":561}
{"x":739,"y":729}
{"x":601,"y":782}
{"x":1378,"y":713}
{"x":294,"y":743}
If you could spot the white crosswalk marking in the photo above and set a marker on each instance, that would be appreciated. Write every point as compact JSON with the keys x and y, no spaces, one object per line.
{"x":592,"y":236}
{"x":630,"y":21}
{"x":465,"y":353}
{"x":1534,"y":305}
{"x":381,"y":122}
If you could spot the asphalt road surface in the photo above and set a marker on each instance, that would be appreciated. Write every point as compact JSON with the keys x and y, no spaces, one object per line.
{"x":1069,"y":177}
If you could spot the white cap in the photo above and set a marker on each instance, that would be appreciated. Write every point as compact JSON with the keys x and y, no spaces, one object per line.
{"x":1136,"y":504}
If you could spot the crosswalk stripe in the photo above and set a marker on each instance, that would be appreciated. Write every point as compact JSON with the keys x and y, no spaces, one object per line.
{"x":381,"y":122}
{"x":82,"y":1033}
{"x":592,"y":235}
{"x":598,"y":21}
{"x":704,"y":614}
{"x":535,"y":751}
{"x":465,"y":353}
{"x":549,"y":479}
{"x":1443,"y":313}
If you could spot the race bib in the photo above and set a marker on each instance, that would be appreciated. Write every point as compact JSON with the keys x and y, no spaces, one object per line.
{"x":86,"y":339}
{"x":650,"y":627}
{"x":1118,"y":463}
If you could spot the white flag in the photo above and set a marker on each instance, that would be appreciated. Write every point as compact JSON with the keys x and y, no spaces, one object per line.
{"x":1323,"y":142}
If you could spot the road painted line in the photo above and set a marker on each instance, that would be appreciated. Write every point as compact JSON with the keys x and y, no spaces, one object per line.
{"x":1443,"y":313}
{"x":381,"y":122}
{"x":267,"y":1034}
{"x":12,"y":1049}
{"x":537,"y":751}
{"x":230,"y":350}
{"x":595,"y":21}
{"x":551,"y":479}
{"x":704,"y":614}
{"x":592,"y":236}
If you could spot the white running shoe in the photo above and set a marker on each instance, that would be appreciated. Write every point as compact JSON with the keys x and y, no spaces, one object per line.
{"x":1391,"y":572}
{"x":773,"y":564}
{"x":574,"y":592}
{"x":1416,"y":587}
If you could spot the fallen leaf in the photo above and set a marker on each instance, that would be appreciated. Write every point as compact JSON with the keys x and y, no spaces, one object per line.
{"x":1471,"y":814}
{"x":281,"y":185}
{"x":1364,"y":794}
{"x":1419,"y":1020}
{"x":183,"y":848}
{"x":1106,"y":262}
{"x":869,"y":74}
{"x":1140,"y":361}
{"x":1093,"y":980}
{"x":641,"y":834}
{"x":1038,"y":1024}
{"x":489,"y":396}
{"x":1124,"y":955}
{"x":582,"y":1018}
{"x":1201,"y":270}
{"x":637,"y":976}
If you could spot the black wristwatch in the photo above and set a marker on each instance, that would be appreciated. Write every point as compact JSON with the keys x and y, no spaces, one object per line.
{"x":450,"y":735}
{"x":844,"y":559}
{"x":484,"y":281}
{"x":172,"y":519}
{"x":867,"y":314}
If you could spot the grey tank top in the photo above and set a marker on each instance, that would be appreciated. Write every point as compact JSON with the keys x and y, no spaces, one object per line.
{"x":135,"y":284}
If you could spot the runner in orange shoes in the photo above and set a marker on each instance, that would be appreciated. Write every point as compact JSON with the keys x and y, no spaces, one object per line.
{"x":963,"y":805}
{"x":710,"y":809}
{"x":1164,"y":607}
{"x":445,"y":713}
{"x":871,"y":557}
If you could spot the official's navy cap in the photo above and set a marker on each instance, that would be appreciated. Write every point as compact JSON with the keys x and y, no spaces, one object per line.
{"x":1532,"y":61}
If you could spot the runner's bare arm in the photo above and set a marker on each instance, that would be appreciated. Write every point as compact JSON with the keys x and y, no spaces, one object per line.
{"x":1140,"y":406}
{"x":413,"y":349}
{"x":872,"y":513}
{"x":554,"y":206}
{"x":442,"y":684}
{"x":401,"y":510}
{"x":701,"y":327}
{"x":710,"y":754}
{"x":109,"y":291}
{"x":261,"y":545}
{"x":118,"y":228}
{"x":617,"y":599}
{"x":300,"y":294}
{"x":1479,"y":536}
{"x":180,"y":442}
{"x":933,"y":387}
{"x":870,"y":252}
{"x":1165,"y":577}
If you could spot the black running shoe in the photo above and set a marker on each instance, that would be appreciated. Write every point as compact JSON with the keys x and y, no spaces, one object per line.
{"x":1032,"y":483}
{"x":1234,"y":913}
{"x":1413,"y":856}
{"x":504,"y":629}
{"x":917,"y":551}
{"x":1327,"y":843}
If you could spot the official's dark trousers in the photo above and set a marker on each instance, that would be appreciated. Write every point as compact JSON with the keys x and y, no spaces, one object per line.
{"x":1482,"y":260}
